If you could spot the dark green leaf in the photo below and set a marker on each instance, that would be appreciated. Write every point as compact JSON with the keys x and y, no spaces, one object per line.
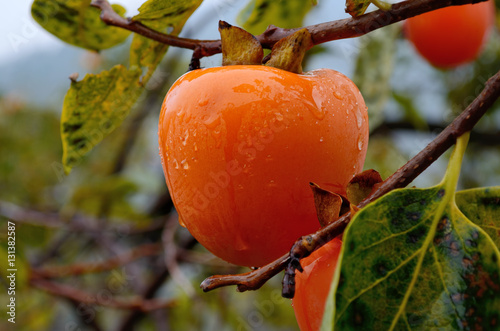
{"x":482,"y":206}
{"x":163,"y":16}
{"x":259,"y":14}
{"x":95,"y":106}
{"x":374,"y":68}
{"x":77,"y":23}
{"x":412,"y":261}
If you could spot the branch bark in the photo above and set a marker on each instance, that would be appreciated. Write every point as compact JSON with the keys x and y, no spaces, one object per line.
{"x":401,"y":178}
{"x":320,"y":33}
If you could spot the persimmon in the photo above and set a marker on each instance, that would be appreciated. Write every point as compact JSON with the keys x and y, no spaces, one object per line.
{"x":313,"y":284}
{"x":240,"y":144}
{"x":451,"y":36}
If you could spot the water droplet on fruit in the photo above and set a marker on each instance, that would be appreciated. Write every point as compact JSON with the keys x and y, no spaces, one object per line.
{"x":181,"y":222}
{"x":203,"y":102}
{"x":272,"y":183}
{"x":321,"y":139}
{"x":360,"y":143}
{"x":359,"y":119}
{"x":338,"y":95}
{"x":195,"y":147}
{"x":212,"y":122}
{"x":175,"y":163}
{"x":279,"y":116}
{"x":184,"y":139}
{"x":317,"y":108}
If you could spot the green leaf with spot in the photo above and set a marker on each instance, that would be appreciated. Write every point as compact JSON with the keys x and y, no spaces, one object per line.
{"x":373,"y":71}
{"x":95,"y":106}
{"x":163,"y":16}
{"x":482,"y":206}
{"x":412,"y":261}
{"x":77,"y":23}
{"x":259,"y":14}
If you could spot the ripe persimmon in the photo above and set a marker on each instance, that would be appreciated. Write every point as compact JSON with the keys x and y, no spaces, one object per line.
{"x":451,"y":36}
{"x":313,"y":284}
{"x":240,"y":144}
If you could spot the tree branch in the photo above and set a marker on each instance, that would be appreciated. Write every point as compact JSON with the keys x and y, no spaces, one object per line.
{"x":69,"y":292}
{"x":320,"y":33}
{"x":405,"y":175}
{"x":110,"y":264}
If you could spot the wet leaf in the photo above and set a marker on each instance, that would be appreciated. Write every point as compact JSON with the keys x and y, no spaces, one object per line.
{"x":239,"y":46}
{"x":329,"y":205}
{"x":412,"y":261}
{"x":77,"y":23}
{"x":259,"y":14}
{"x":373,"y":70}
{"x":163,"y":16}
{"x":482,"y":206}
{"x":288,"y":53}
{"x":362,"y":185}
{"x":95,"y":106}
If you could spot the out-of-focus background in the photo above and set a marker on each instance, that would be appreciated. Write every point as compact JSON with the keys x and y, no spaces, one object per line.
{"x":114,"y":206}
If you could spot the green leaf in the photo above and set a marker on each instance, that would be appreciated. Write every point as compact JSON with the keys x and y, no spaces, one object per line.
{"x":163,"y":16}
{"x":374,"y":68}
{"x":482,"y":206}
{"x":259,"y":14}
{"x":412,"y":261}
{"x":77,"y":23}
{"x":95,"y":106}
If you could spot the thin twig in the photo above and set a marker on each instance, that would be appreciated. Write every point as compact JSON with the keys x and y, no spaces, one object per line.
{"x":401,"y":178}
{"x":72,"y":293}
{"x":320,"y":33}
{"x":110,"y":264}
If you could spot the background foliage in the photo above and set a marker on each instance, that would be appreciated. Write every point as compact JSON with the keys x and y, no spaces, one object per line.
{"x":115,"y":200}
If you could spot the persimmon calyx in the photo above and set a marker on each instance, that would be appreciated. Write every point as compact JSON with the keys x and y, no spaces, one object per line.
{"x":288,"y":53}
{"x":239,"y":47}
{"x":329,"y":205}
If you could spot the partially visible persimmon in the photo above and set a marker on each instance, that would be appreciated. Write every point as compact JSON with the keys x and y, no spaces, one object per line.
{"x":240,"y":144}
{"x":313,"y":285}
{"x":451,"y":36}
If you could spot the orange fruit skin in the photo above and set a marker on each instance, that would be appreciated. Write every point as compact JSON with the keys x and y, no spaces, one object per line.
{"x":240,"y":144}
{"x":451,"y":36}
{"x":313,"y":284}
